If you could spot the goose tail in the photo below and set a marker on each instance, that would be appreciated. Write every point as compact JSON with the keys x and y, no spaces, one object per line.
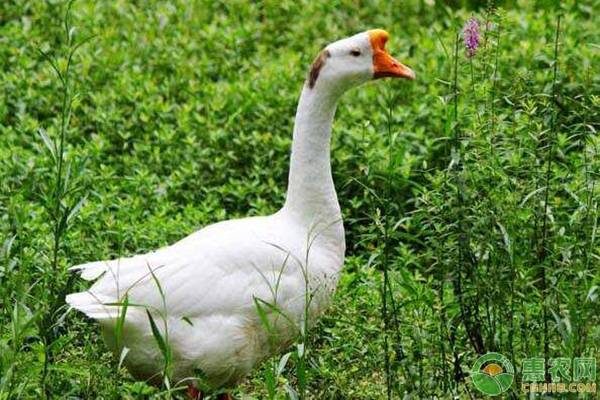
{"x":91,"y":271}
{"x":98,"y":302}
{"x":94,"y":306}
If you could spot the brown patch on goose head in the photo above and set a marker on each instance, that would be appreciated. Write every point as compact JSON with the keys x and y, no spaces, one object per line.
{"x":316,"y":67}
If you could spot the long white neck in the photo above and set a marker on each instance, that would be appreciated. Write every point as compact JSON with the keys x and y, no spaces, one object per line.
{"x":311,"y":194}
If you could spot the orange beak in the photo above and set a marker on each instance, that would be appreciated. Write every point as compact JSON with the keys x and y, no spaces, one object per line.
{"x":385,"y":65}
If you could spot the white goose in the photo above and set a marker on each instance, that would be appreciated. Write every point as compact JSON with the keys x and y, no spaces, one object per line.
{"x":212,"y":280}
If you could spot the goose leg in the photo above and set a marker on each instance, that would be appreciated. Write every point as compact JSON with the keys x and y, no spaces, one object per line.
{"x":193,"y":393}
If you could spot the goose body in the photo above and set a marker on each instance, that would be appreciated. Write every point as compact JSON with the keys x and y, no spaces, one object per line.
{"x":204,"y":292}
{"x":209,"y":281}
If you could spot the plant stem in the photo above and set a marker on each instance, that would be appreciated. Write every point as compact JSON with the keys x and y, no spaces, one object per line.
{"x":542,"y":250}
{"x":385,"y":262}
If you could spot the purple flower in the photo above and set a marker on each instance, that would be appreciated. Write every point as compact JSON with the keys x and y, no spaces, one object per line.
{"x":471,"y":36}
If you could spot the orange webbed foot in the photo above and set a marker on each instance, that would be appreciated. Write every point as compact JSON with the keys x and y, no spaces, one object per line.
{"x":193,"y":393}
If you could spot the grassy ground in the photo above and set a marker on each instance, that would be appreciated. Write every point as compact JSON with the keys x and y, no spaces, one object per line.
{"x":472,"y":193}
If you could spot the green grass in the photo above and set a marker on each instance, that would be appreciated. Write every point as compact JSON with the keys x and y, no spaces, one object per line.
{"x":472,"y":192}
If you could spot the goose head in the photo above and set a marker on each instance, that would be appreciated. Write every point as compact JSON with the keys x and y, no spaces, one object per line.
{"x":355,"y":60}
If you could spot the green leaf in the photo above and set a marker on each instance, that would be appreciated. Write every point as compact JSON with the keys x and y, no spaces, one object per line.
{"x":124,"y":353}
{"x":160,"y":341}
{"x":121,"y":321}
{"x":48,"y":142}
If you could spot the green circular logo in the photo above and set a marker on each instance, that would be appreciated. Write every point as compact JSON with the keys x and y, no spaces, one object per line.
{"x":492,"y":374}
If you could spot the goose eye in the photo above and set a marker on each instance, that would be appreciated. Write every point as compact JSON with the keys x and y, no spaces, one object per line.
{"x":355,"y":52}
